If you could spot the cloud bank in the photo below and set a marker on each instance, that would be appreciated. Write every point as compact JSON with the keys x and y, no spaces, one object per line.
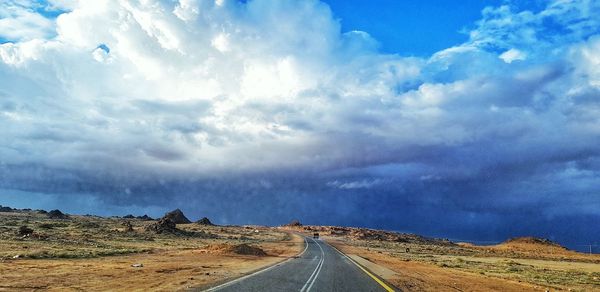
{"x":228,"y":107}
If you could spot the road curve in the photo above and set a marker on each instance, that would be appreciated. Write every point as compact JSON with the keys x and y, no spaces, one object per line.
{"x":319,"y":268}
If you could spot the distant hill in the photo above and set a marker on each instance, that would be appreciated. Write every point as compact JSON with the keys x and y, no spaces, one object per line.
{"x":204,"y":221}
{"x":542,"y":242}
{"x":177,"y":217}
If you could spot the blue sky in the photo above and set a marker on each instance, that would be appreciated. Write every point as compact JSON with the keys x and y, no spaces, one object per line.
{"x":411,"y":27}
{"x":460,"y":119}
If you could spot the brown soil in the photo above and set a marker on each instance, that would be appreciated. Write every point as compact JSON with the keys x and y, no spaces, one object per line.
{"x":168,"y":270}
{"x":532,"y":244}
{"x":415,"y":276}
{"x":241,"y":249}
{"x":533,"y":240}
{"x":89,"y":253}
{"x":534,"y":248}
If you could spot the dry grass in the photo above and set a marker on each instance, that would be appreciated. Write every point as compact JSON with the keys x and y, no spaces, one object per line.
{"x":478,"y":269}
{"x":438,"y":265}
{"x":92,"y":253}
{"x":412,"y":275}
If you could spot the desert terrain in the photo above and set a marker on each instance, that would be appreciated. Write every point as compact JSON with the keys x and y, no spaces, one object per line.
{"x":415,"y":263}
{"x":52,"y":251}
{"x":41,"y":252}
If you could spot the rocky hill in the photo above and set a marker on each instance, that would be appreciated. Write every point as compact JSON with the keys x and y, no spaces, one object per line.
{"x":177,"y":217}
{"x":204,"y":221}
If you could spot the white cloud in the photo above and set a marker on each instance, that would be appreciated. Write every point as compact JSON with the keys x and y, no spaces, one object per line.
{"x":187,"y":10}
{"x":512,"y":55}
{"x":221,"y":43}
{"x":198,"y":87}
{"x":588,"y":61}
{"x":20,"y":22}
{"x":540,"y":34}
{"x":360,"y":184}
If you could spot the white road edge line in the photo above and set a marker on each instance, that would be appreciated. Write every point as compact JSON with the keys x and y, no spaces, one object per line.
{"x":313,"y":277}
{"x":258,"y":272}
{"x":310,"y":279}
{"x":319,"y":271}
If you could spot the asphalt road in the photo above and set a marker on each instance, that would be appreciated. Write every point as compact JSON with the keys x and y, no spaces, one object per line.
{"x":319,"y":268}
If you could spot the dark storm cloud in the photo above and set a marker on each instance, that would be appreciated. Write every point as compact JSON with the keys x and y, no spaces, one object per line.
{"x":223,"y":113}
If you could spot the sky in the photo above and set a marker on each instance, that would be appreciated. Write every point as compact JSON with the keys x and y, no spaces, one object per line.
{"x":411,"y":28}
{"x":471,"y":120}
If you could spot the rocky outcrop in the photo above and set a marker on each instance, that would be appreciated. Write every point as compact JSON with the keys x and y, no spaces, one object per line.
{"x":241,"y":249}
{"x":57,"y":214}
{"x":177,"y":217}
{"x":6,"y":209}
{"x":164,"y":225}
{"x":144,"y":218}
{"x":204,"y":221}
{"x":294,"y":223}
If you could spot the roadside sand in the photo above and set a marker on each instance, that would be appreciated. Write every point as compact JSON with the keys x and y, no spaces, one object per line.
{"x":162,"y":271}
{"x":415,"y":276}
{"x":420,"y":263}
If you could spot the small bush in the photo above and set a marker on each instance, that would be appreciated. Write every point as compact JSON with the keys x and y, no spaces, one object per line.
{"x":46,"y":226}
{"x":24,"y":230}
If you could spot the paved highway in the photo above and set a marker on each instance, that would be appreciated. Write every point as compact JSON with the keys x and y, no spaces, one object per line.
{"x":319,"y":268}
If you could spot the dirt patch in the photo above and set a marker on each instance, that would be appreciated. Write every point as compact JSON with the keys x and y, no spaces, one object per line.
{"x":163,"y":271}
{"x":240,"y":249}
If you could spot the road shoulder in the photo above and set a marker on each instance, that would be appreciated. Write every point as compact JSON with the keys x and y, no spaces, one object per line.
{"x":414,"y":276}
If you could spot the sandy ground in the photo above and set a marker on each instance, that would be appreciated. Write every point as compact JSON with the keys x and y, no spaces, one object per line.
{"x":86,"y":253}
{"x":415,"y":263}
{"x":89,"y":253}
{"x":161,"y":271}
{"x":415,"y":276}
